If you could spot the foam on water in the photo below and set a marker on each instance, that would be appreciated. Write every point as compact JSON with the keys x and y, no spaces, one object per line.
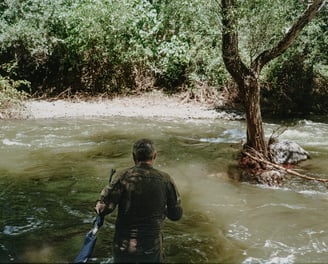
{"x":234,"y":135}
{"x":8,"y":142}
{"x":289,"y":259}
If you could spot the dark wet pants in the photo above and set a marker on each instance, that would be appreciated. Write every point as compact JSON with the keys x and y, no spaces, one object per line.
{"x":129,"y":251}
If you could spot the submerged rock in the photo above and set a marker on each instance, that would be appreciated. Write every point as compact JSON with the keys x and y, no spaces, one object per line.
{"x":271,"y":178}
{"x":287,"y":152}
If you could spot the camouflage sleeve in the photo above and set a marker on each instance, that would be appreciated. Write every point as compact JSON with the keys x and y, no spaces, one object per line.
{"x":174,"y":209}
{"x":109,"y":196}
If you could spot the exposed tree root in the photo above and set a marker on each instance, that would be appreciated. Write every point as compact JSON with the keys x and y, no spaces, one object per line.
{"x":256,"y":156}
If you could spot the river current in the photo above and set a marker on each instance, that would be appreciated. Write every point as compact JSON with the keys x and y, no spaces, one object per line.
{"x":52,"y":170}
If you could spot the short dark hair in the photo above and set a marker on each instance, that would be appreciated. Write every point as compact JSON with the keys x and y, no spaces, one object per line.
{"x":143,"y":149}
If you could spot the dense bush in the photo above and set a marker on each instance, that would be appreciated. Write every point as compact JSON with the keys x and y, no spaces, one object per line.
{"x":297,"y":86}
{"x":10,"y":98}
{"x":298,"y":79}
{"x":65,"y":47}
{"x":101,"y":46}
{"x":290,"y":84}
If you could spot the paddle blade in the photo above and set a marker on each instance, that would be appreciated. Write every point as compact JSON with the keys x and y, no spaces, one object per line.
{"x":87,"y":249}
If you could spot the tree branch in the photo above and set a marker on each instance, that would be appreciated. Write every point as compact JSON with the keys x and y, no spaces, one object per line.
{"x":281,"y":168}
{"x":231,"y":57}
{"x":290,"y":36}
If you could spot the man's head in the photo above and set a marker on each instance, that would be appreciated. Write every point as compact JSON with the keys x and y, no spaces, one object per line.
{"x":144,"y":150}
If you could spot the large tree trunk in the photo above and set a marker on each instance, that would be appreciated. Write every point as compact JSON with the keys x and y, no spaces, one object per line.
{"x":255,"y":133}
{"x":248,"y":78}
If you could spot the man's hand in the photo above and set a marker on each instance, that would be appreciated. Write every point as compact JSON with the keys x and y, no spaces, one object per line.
{"x":100,"y":207}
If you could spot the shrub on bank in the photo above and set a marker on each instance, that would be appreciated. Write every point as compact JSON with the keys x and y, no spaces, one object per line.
{"x":11,"y":98}
{"x":110,"y":46}
{"x":93,"y":47}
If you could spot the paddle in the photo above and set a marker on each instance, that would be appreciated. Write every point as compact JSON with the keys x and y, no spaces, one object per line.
{"x":90,"y":238}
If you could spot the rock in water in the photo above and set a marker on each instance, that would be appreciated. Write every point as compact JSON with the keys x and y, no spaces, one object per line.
{"x":287,"y":152}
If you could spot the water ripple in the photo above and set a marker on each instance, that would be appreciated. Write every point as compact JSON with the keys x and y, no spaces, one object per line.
{"x":8,"y":142}
{"x":32,"y":224}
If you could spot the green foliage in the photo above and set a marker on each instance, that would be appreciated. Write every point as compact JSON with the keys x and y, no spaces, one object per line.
{"x":298,"y":78}
{"x":291,"y":79}
{"x":173,"y":60}
{"x":91,"y":44}
{"x":24,"y":26}
{"x":110,"y":46}
{"x":201,"y":27}
{"x":313,"y":40}
{"x":10,"y":97}
{"x":263,"y":23}
{"x":298,"y":86}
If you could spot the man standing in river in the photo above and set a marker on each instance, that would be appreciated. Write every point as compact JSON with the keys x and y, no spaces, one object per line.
{"x":144,"y":196}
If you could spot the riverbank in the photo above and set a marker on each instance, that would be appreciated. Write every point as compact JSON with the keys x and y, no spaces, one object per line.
{"x":154,"y":104}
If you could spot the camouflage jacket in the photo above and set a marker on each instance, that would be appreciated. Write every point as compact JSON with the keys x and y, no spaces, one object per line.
{"x":144,"y":197}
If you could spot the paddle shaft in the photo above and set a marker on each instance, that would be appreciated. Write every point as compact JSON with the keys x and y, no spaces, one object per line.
{"x":90,"y":238}
{"x":112,"y":172}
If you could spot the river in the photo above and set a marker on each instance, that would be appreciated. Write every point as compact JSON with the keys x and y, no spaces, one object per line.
{"x":52,"y":171}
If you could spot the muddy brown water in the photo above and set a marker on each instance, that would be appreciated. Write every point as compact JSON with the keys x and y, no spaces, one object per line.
{"x":51,"y":172}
